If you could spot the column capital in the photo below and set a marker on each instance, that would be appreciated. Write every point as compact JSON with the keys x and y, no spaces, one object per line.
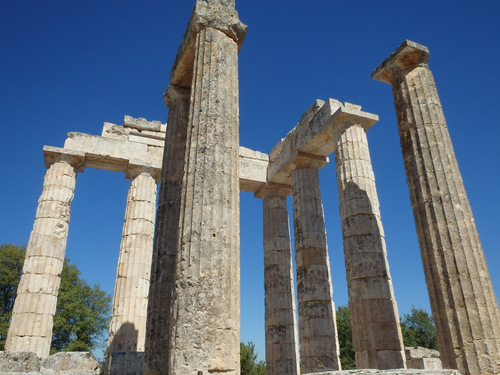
{"x":406,"y":57}
{"x":174,"y":93}
{"x":218,"y":14}
{"x":351,"y":115}
{"x":303,"y":160}
{"x":135,"y":168}
{"x":272,"y":189}
{"x":54,"y":154}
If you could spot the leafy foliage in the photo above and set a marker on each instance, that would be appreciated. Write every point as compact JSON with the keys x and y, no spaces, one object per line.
{"x":11,"y":265}
{"x":82,"y":311}
{"x":248,"y":360}
{"x":419,"y":329}
{"x":347,"y":356}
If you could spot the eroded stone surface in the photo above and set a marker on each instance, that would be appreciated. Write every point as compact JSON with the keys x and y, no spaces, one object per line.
{"x":376,"y":332}
{"x":67,"y":363}
{"x":422,"y":358}
{"x":70,"y":363}
{"x":127,"y":329}
{"x":462,"y":299}
{"x":19,"y":362}
{"x":201,"y":326}
{"x":389,"y":372}
{"x":35,"y":305}
{"x":282,"y":355}
{"x":319,"y":348}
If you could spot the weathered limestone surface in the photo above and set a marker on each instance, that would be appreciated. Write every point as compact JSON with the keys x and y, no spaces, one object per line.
{"x":334,"y":126}
{"x":19,"y":362}
{"x":206,"y":299}
{"x":138,"y":142}
{"x":35,"y":305}
{"x":252,"y":169}
{"x":70,"y":363}
{"x":389,"y":372}
{"x":462,"y":298}
{"x":125,"y":363}
{"x":130,"y":299}
{"x":159,"y":319}
{"x":67,"y":363}
{"x":319,"y":348}
{"x":422,"y":358}
{"x":202,"y":331}
{"x":282,"y":355}
{"x":376,"y":333}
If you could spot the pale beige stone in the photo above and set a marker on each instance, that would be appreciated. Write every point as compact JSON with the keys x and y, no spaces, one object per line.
{"x":462,"y":299}
{"x":127,"y":329}
{"x":319,"y":348}
{"x":376,"y":333}
{"x":32,"y":316}
{"x":282,"y":355}
{"x":193,"y":315}
{"x":159,"y":318}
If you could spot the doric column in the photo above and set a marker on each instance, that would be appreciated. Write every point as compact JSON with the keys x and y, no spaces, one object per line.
{"x":162,"y":284}
{"x":203,"y":292}
{"x":127,"y":329}
{"x":462,"y":298}
{"x":282,"y":355}
{"x":32,"y":316}
{"x":319,"y":348}
{"x":376,"y":333}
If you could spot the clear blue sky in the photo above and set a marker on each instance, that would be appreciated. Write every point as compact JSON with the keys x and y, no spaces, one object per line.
{"x":71,"y":65}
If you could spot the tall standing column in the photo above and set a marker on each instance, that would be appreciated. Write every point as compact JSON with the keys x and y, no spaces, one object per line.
{"x":376,"y":333}
{"x":282,"y":355}
{"x":162,"y":283}
{"x":35,"y":305}
{"x":319,"y":348}
{"x":130,"y":298}
{"x":203,"y":293}
{"x":462,"y":298}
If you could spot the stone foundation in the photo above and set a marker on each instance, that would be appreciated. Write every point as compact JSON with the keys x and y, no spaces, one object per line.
{"x":422,"y":358}
{"x":389,"y":372}
{"x":125,"y":363}
{"x":69,"y":363}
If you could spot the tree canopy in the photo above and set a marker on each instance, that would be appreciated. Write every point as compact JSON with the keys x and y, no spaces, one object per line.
{"x":418,"y":329}
{"x":347,"y":357}
{"x":82,"y":311}
{"x":248,"y":360}
{"x":11,"y":266}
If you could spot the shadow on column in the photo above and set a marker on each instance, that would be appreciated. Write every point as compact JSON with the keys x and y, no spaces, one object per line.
{"x":376,"y":333}
{"x":123,"y":357}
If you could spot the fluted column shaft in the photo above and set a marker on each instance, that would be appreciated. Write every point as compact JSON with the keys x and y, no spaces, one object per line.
{"x":319,"y":348}
{"x":162,"y":283}
{"x":376,"y":333}
{"x":204,"y":332}
{"x":35,"y":305}
{"x":127,"y":329}
{"x":282,"y":357}
{"x":462,"y":298}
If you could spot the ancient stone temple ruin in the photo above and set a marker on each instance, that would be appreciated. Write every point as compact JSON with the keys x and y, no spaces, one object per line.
{"x":176,"y":307}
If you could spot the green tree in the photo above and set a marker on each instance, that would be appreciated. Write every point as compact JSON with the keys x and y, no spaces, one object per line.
{"x":419,"y":329}
{"x":347,"y":357}
{"x":248,"y":360}
{"x":11,"y":266}
{"x":82,"y":311}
